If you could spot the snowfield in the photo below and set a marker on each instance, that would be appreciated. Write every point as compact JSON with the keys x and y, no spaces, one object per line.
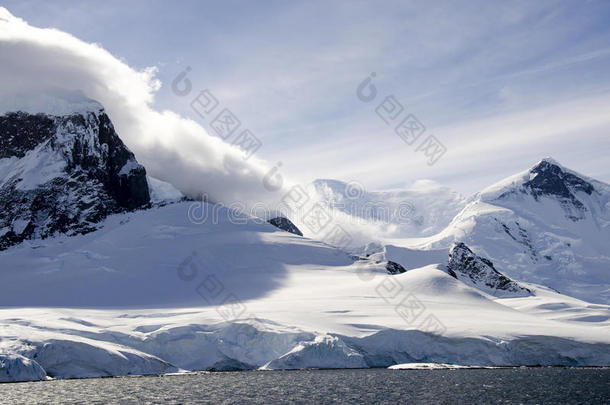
{"x":153,"y":292}
{"x":150,"y":283}
{"x":105,"y":271}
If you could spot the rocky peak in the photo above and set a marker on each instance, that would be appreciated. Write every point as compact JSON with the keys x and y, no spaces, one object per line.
{"x":479,"y":272}
{"x":21,"y":132}
{"x":394,"y":268}
{"x":285,"y":224}
{"x":63,"y":174}
{"x":549,"y":178}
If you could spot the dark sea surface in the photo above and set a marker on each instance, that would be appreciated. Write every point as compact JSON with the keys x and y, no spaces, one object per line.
{"x":497,"y":386}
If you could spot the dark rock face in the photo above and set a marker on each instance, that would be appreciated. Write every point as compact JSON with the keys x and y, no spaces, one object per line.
{"x":548,"y":179}
{"x":63,"y":174}
{"x":520,"y":235}
{"x":394,"y":268}
{"x":466,"y":266}
{"x":285,"y":224}
{"x":21,"y":132}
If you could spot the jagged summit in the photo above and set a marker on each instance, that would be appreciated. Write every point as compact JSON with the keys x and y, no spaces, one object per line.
{"x":549,"y":178}
{"x":64,"y":173}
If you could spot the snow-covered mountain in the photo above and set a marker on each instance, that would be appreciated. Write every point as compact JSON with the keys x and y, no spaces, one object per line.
{"x":153,"y":292}
{"x":548,"y":225}
{"x":64,"y":173}
{"x":415,"y":212}
{"x":108,"y":273}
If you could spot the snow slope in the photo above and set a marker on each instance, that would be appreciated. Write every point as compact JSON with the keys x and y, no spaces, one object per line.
{"x":154,"y":292}
{"x":135,"y":258}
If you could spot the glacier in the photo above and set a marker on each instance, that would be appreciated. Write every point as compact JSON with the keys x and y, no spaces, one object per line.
{"x":151,"y":292}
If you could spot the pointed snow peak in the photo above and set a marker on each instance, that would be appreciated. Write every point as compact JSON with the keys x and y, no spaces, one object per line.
{"x":549,"y":160}
{"x":551,"y":179}
{"x":548,"y":164}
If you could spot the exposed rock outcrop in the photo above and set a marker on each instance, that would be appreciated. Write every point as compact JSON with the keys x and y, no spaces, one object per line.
{"x":63,"y":174}
{"x":286,"y":225}
{"x":480,"y":273}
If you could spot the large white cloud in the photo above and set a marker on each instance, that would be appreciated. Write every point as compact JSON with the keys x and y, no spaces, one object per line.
{"x":35,"y":61}
{"x":173,"y":149}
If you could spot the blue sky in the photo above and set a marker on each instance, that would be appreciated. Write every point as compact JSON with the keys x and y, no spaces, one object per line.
{"x":500,"y":84}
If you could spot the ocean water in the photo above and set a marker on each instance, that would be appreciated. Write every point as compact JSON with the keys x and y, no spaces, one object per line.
{"x":497,"y":386}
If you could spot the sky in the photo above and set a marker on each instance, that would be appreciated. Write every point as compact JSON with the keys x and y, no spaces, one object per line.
{"x":499,"y":84}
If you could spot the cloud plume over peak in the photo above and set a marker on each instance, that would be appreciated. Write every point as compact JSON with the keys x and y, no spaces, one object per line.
{"x":36,"y":61}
